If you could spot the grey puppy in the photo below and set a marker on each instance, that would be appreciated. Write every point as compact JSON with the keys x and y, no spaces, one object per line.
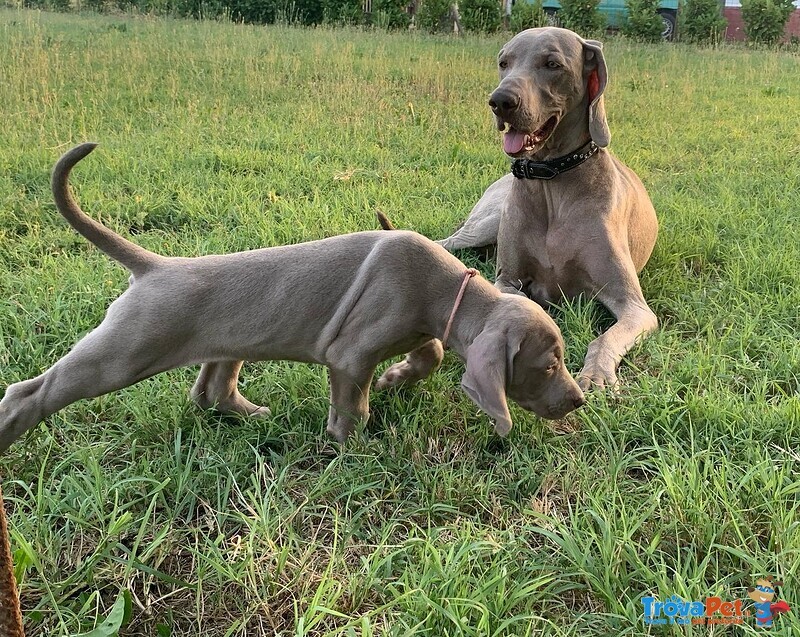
{"x":572,"y":219}
{"x":348,"y":302}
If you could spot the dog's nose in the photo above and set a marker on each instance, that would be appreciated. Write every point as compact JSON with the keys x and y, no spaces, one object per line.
{"x":503,"y":101}
{"x":579,"y":400}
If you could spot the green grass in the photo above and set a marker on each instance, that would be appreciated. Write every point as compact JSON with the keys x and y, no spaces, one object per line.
{"x":218,"y":138}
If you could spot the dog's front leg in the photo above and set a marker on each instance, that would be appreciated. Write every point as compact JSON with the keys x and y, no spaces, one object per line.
{"x":509,"y":275}
{"x":349,"y":401}
{"x":216,"y":388}
{"x":635,"y":320}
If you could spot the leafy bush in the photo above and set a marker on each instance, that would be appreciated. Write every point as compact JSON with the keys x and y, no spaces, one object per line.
{"x":200,"y":8}
{"x":94,"y":5}
{"x":701,"y":21}
{"x":643,"y":21}
{"x":257,"y":11}
{"x":299,"y":11}
{"x":480,"y":15}
{"x":765,"y":20}
{"x":434,"y":15}
{"x":527,"y":15}
{"x":48,"y":5}
{"x":342,"y":12}
{"x":262,"y":11}
{"x":582,"y":16}
{"x":390,"y":14}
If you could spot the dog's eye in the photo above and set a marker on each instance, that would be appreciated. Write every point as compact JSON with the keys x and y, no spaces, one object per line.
{"x":503,"y":64}
{"x":553,"y":65}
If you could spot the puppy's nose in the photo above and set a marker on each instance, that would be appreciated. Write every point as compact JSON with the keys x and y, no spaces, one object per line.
{"x":579,"y":400}
{"x":503,"y":101}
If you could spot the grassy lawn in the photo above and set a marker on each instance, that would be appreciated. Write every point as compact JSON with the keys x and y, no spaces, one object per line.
{"x":218,"y":138}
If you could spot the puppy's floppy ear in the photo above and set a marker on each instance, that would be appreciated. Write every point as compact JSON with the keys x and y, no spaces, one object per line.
{"x":489,"y":360}
{"x":595,"y":65}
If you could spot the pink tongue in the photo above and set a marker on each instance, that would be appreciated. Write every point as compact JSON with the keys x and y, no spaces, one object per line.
{"x":513,"y":141}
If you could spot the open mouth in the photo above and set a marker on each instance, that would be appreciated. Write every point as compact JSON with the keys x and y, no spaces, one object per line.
{"x":516,"y":142}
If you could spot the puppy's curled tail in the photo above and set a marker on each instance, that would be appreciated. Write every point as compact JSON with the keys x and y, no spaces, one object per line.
{"x":384,"y":220}
{"x":135,"y":258}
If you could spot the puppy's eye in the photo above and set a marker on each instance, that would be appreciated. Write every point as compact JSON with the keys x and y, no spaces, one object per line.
{"x":552,"y":368}
{"x":503,"y":64}
{"x":553,"y":65}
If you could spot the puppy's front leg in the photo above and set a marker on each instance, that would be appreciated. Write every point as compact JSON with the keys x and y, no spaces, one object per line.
{"x":349,"y":401}
{"x":216,"y":387}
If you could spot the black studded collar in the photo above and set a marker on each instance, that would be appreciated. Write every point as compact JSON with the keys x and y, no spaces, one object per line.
{"x":549,"y":168}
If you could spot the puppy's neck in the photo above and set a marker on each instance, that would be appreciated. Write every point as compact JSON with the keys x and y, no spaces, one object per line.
{"x":478,"y":301}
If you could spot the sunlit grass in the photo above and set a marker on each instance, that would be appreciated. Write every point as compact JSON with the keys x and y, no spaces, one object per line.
{"x":218,"y":137}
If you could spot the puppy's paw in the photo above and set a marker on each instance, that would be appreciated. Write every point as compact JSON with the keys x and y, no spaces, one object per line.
{"x":236,"y":405}
{"x":397,"y":375}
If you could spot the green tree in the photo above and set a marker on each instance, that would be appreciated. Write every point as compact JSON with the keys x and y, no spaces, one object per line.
{"x":434,"y":15}
{"x":701,"y":21}
{"x":643,"y":21}
{"x":527,"y":15}
{"x":342,"y":11}
{"x":765,"y":20}
{"x":390,"y":14}
{"x":480,"y":15}
{"x":582,"y":16}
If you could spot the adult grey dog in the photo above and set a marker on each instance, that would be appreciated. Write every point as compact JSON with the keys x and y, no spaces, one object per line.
{"x":348,"y":302}
{"x":571,"y":218}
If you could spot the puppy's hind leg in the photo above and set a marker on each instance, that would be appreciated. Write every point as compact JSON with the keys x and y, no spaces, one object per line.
{"x":349,"y":401}
{"x":110,"y":357}
{"x":419,"y":363}
{"x":216,"y":387}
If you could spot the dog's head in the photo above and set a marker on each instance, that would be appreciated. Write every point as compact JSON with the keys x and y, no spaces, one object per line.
{"x":763,"y":591}
{"x":520,"y":353}
{"x":551,"y":85}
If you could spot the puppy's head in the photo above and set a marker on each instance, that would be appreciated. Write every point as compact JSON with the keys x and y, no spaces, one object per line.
{"x":545,"y":75}
{"x":520,"y":354}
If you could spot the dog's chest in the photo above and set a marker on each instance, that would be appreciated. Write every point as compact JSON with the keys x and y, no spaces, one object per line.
{"x":541,"y":247}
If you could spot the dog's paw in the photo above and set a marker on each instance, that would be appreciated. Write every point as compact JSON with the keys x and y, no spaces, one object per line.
{"x":597,"y":378}
{"x":260,"y":412}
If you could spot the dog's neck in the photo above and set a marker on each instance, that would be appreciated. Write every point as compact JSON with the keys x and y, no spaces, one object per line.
{"x":572,"y":132}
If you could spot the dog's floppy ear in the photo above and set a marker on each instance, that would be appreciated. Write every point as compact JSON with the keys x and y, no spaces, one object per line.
{"x":489,"y":360}
{"x":595,"y":63}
